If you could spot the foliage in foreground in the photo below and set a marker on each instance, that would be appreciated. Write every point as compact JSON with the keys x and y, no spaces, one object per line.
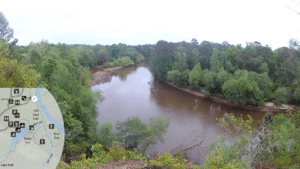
{"x":14,"y":73}
{"x":276,"y":143}
{"x":116,"y":153}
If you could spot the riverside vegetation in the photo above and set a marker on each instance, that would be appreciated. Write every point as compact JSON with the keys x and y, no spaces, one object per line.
{"x":250,"y":75}
{"x":246,"y":76}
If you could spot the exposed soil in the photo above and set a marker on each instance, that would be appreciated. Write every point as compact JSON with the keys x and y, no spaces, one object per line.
{"x":100,"y":71}
{"x":269,"y":106}
{"x":123,"y":164}
{"x":130,"y":164}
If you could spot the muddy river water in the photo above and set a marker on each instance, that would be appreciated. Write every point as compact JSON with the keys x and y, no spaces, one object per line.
{"x":132,"y":91}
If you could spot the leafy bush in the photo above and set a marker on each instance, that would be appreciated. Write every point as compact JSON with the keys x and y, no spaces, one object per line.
{"x":167,"y":160}
{"x":175,"y":77}
{"x":126,"y":61}
{"x":280,"y":96}
{"x":296,"y":95}
{"x":185,"y":78}
{"x":106,"y":134}
{"x":111,"y":64}
{"x":195,"y":76}
{"x":123,"y":61}
{"x":101,"y":157}
{"x":216,"y":159}
{"x":134,"y":133}
{"x":140,"y":58}
{"x":73,"y":152}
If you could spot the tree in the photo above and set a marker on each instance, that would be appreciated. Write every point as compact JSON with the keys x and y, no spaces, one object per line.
{"x":294,"y":9}
{"x":185,"y":77}
{"x":289,"y":71}
{"x":264,"y":52}
{"x":14,"y":73}
{"x":195,"y":76}
{"x":236,"y":125}
{"x":175,"y":77}
{"x":276,"y":142}
{"x":194,"y":41}
{"x":215,"y":63}
{"x":241,"y":89}
{"x":6,"y":33}
{"x":158,"y":126}
{"x":160,"y":65}
{"x":140,"y":58}
{"x":102,"y":57}
{"x":296,"y":95}
{"x":209,"y":79}
{"x":224,"y":156}
{"x":85,"y":76}
{"x":294,"y":44}
{"x":50,"y":65}
{"x":222,"y":77}
{"x":135,"y":133}
{"x":280,"y":96}
{"x":126,"y":61}
{"x":231,"y":63}
{"x":256,"y":43}
{"x":264,"y":68}
{"x":180,"y":59}
{"x":243,"y":57}
{"x":107,"y":136}
{"x":132,"y":132}
{"x":145,"y":50}
{"x":205,"y":49}
{"x":196,"y":57}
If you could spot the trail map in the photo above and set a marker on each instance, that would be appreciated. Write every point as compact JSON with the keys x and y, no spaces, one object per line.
{"x":31,"y":129}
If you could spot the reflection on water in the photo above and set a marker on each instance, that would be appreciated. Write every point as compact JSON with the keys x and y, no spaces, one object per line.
{"x":121,"y":73}
{"x":133,"y":92}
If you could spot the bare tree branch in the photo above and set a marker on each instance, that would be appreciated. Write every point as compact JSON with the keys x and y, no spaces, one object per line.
{"x":293,"y":9}
{"x":73,"y":133}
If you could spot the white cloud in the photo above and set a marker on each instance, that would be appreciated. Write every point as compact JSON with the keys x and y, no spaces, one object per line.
{"x":141,"y":22}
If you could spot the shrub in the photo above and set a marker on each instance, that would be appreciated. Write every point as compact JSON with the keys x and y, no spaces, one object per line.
{"x":140,"y":58}
{"x":167,"y":160}
{"x":280,"y":96}
{"x":126,"y":61}
{"x":111,"y":64}
{"x":73,"y":152}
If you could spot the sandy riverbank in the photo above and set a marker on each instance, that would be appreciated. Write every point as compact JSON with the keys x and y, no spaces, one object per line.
{"x":269,"y":106}
{"x":100,"y":71}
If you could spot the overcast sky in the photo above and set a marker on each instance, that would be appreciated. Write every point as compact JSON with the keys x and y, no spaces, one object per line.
{"x":146,"y":22}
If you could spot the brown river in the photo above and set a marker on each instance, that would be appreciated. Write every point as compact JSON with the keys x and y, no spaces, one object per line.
{"x":132,"y":91}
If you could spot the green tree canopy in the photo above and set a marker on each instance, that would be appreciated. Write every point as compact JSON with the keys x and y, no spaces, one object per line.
{"x":180,"y":59}
{"x":6,"y":33}
{"x":195,"y":76}
{"x":242,"y":89}
{"x":133,"y":132}
{"x":280,"y":96}
{"x":14,"y":73}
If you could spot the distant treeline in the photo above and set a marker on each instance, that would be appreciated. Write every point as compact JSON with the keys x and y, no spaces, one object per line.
{"x":92,"y":56}
{"x":250,"y":75}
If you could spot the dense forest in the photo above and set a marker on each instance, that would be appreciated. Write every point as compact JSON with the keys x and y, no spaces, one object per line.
{"x":250,"y":75}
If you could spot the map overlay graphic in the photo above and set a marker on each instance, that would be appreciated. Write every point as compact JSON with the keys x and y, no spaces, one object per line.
{"x":32,"y":130}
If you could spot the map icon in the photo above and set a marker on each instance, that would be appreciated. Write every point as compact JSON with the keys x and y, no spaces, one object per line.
{"x":32,"y":130}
